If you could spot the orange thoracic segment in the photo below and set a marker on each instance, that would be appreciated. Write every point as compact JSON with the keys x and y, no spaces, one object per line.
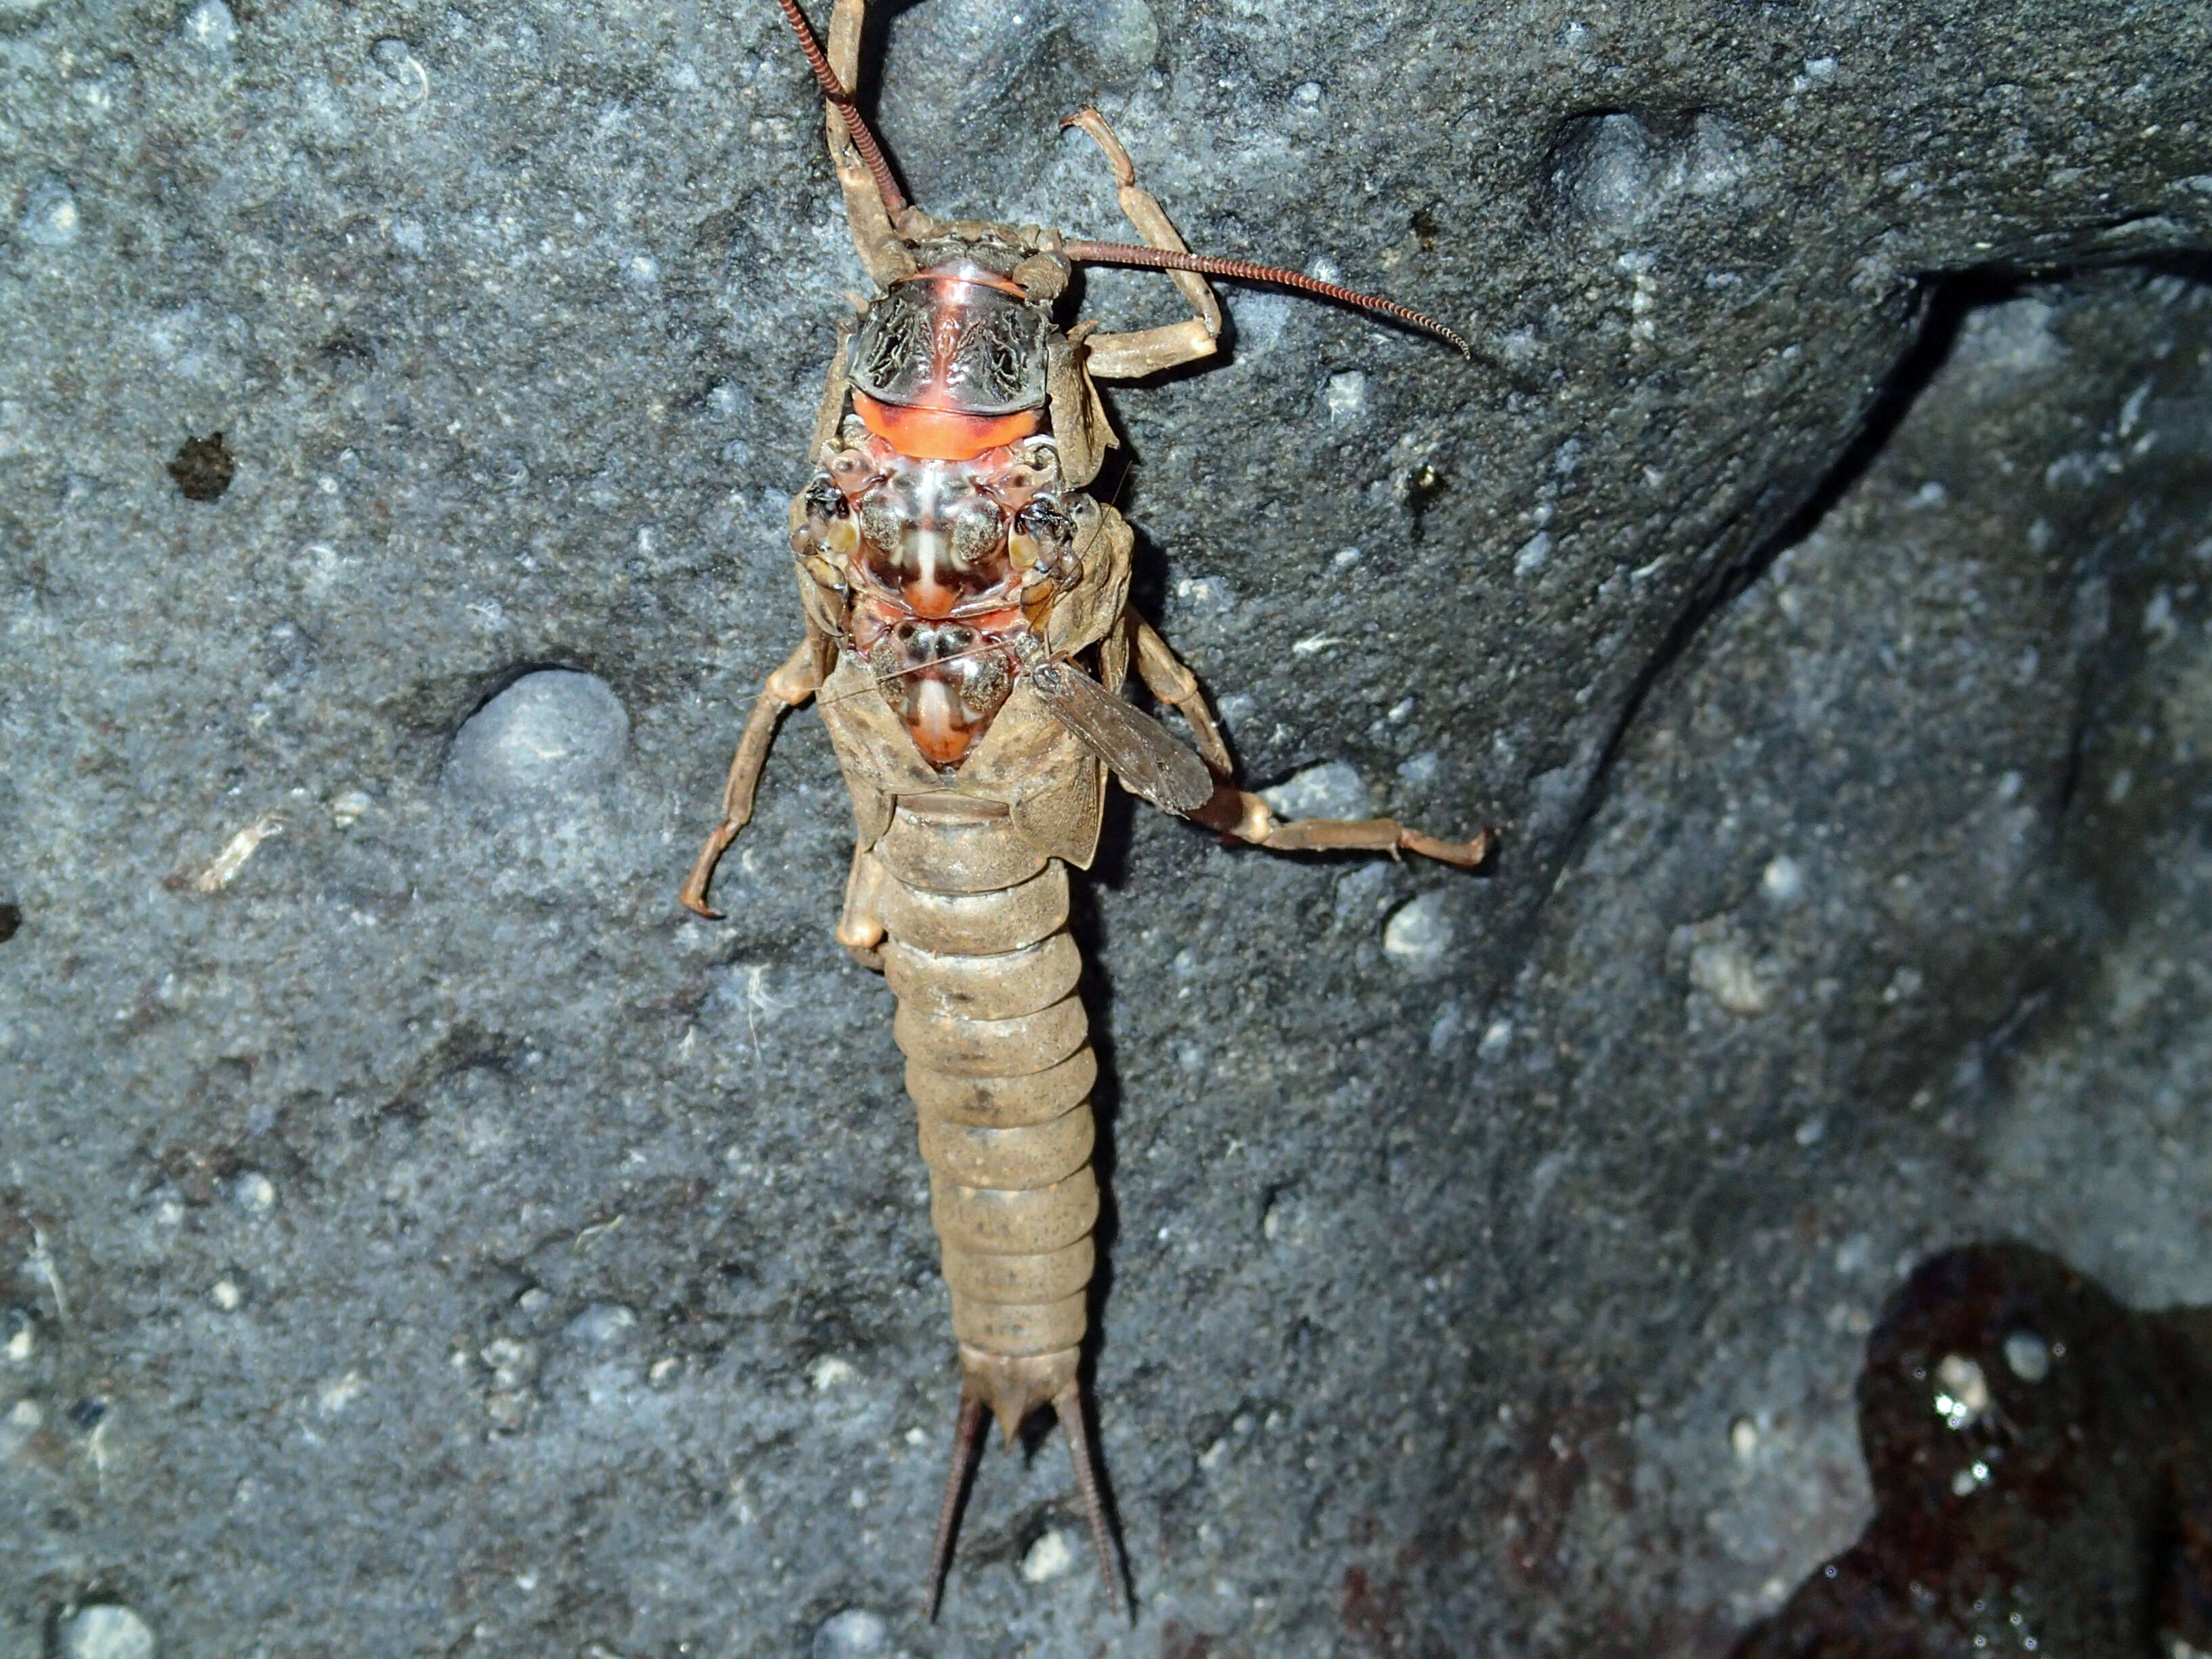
{"x":936,"y":435}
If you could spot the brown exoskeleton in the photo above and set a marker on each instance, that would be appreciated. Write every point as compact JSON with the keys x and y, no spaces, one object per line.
{"x":968,"y":630}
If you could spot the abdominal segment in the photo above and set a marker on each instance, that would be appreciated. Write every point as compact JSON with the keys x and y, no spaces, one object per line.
{"x":937,"y":558}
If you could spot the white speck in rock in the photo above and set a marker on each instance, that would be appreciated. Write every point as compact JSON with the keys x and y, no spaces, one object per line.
{"x":1724,"y":971}
{"x":1782,"y":881}
{"x":829,"y":1372}
{"x":1049,"y":1557}
{"x":253,"y":1192}
{"x":50,"y":215}
{"x":1743,"y":1437}
{"x":211,"y":26}
{"x":1495,"y":1040}
{"x":1533,"y":553}
{"x":226,"y":1295}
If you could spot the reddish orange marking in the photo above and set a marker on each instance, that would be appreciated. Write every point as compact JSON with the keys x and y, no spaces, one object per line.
{"x":944,"y":278}
{"x":936,"y":435}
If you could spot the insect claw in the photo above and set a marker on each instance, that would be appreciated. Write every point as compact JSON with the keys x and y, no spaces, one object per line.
{"x":967,"y":1435}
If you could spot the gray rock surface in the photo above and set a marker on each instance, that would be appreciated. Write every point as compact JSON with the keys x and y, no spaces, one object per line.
{"x":418,"y":1237}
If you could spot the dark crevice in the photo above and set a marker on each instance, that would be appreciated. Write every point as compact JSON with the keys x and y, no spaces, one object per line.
{"x":1944,"y":308}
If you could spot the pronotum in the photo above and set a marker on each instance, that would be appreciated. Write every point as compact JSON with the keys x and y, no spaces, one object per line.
{"x":968,"y":629}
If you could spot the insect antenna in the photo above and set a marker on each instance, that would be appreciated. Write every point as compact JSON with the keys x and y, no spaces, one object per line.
{"x":834,"y":90}
{"x":1069,"y":1408}
{"x":1161,"y":258}
{"x":967,"y":1435}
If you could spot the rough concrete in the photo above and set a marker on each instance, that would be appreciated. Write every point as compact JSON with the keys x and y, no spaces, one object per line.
{"x":423,"y":1240}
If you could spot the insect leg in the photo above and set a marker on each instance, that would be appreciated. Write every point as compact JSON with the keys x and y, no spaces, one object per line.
{"x":792,"y":684}
{"x":1166,"y":679}
{"x":967,"y":1435}
{"x":1068,"y":1406}
{"x":1147,"y":351}
{"x":1243,"y":815}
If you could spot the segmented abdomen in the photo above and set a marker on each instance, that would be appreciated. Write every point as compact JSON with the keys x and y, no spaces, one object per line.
{"x":999,"y":1066}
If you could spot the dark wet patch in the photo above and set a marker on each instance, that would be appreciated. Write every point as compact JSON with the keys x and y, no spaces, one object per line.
{"x":2037,"y":1457}
{"x":203,"y":468}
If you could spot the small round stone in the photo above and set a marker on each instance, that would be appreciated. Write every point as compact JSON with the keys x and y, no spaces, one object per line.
{"x":602,"y":1325}
{"x":2028,"y":1356}
{"x":1419,"y":934}
{"x":855,"y":1633}
{"x":1782,"y":881}
{"x":1051,"y":1557}
{"x":1334,"y":789}
{"x":106,"y":1631}
{"x":549,"y":734}
{"x":50,"y":216}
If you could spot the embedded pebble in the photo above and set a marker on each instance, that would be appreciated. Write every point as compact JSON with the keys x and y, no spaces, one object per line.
{"x":1346,"y":396}
{"x":549,"y":734}
{"x":211,"y":26}
{"x":1419,"y":934}
{"x":1724,"y":969}
{"x":108,"y":1631}
{"x":1782,"y":881}
{"x":1334,"y":789}
{"x":1048,"y":1559}
{"x":1422,"y":768}
{"x":1120,"y":37}
{"x":602,"y":1325}
{"x":1744,"y":1438}
{"x":1962,"y":1397}
{"x":50,"y":216}
{"x":855,"y":1633}
{"x":334,"y":1393}
{"x":2028,"y":1356}
{"x":828,"y":1373}
{"x":253,"y":1192}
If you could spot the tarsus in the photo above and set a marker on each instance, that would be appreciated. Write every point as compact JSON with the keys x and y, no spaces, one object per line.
{"x":1161,"y":258}
{"x":842,"y":101}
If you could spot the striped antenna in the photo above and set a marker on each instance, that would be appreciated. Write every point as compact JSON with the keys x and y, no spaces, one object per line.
{"x":1161,"y":258}
{"x":833,"y":89}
